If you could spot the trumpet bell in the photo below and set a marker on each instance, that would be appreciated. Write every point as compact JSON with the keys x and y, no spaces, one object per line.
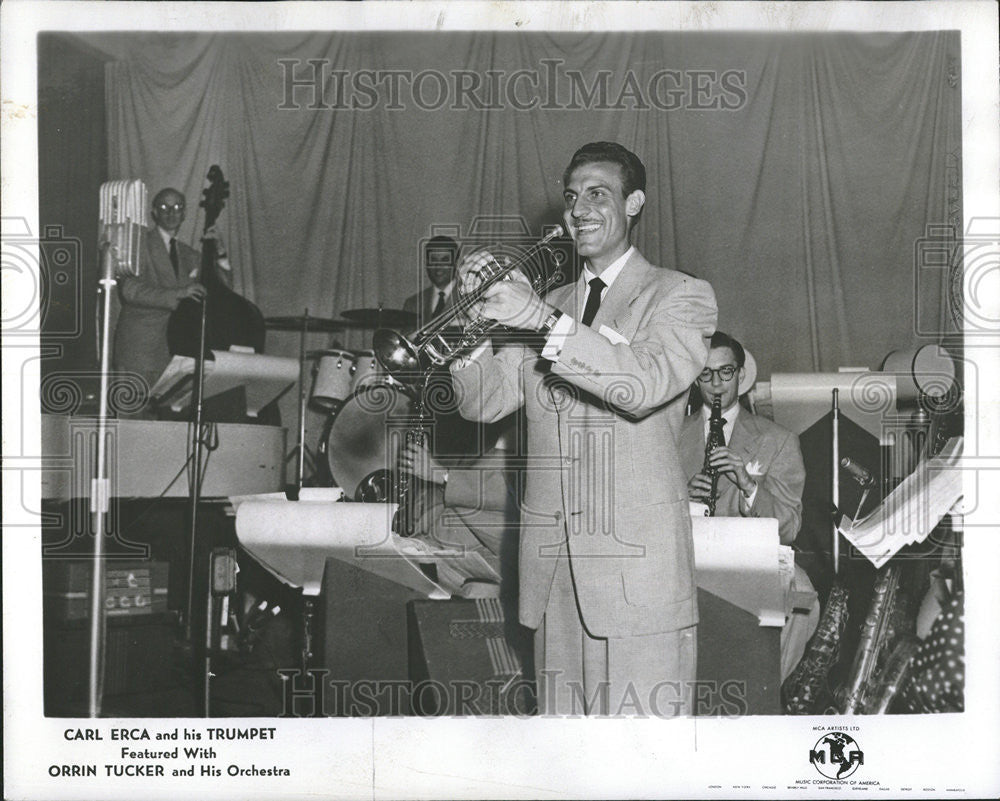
{"x":397,"y":355}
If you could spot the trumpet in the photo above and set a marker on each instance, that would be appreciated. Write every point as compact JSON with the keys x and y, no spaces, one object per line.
{"x":406,"y":358}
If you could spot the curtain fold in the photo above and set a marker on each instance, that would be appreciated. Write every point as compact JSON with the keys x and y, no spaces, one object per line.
{"x":801,"y":204}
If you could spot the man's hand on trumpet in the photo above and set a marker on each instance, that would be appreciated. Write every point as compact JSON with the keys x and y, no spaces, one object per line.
{"x":511,"y":302}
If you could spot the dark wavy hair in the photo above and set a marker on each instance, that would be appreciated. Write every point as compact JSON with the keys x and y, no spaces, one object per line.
{"x":722,"y":340}
{"x":719,"y":339}
{"x":633,"y":170}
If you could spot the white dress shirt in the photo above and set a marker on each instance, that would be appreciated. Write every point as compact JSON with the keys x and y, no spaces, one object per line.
{"x":730,"y":415}
{"x":220,"y":261}
{"x":557,"y":336}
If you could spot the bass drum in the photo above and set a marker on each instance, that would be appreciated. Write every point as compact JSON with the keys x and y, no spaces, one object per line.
{"x":363,"y":439}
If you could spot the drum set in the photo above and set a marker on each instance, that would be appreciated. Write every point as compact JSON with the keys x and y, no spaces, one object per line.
{"x":367,"y":411}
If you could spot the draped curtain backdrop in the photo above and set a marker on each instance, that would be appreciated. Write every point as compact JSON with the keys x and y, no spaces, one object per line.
{"x":802,"y":205}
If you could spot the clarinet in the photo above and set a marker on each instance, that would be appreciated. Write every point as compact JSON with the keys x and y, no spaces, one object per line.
{"x":716,"y":439}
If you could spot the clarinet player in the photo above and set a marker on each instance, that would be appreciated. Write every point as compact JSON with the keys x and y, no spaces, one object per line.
{"x":759,"y":471}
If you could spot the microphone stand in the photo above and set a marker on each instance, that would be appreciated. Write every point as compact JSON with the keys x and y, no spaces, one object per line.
{"x":99,"y":495}
{"x":198,"y":397}
{"x":300,"y":464}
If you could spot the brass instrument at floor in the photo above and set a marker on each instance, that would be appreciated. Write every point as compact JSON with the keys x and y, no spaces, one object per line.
{"x":407,"y":487}
{"x":807,"y":690}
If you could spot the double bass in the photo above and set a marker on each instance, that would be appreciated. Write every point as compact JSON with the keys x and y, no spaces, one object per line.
{"x":230,"y":319}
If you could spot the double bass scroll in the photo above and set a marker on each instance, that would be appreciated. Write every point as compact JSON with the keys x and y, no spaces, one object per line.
{"x":230,"y":319}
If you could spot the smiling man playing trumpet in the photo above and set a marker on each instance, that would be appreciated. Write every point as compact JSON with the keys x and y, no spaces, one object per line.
{"x":606,"y":565}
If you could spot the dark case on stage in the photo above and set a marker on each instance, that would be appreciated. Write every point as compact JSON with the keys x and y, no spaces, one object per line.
{"x":364,"y":642}
{"x":462,"y":662}
{"x":131,"y":588}
{"x":138,"y":651}
{"x":386,"y":644}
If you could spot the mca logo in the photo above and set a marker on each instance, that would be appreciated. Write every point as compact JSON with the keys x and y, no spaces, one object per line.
{"x":836,"y":755}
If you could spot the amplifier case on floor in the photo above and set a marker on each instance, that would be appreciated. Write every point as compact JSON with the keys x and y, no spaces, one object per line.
{"x":138,"y":659}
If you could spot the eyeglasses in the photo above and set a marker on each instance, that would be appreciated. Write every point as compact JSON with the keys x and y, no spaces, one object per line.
{"x":724,"y":373}
{"x":170,"y":206}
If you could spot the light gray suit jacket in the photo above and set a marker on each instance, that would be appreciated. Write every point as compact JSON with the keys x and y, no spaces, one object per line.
{"x":774,"y":454}
{"x":604,"y":479}
{"x":147,"y":300}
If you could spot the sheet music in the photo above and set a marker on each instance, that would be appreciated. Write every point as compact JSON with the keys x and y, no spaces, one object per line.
{"x":264,"y":377}
{"x":913,"y":509}
{"x":292,"y":540}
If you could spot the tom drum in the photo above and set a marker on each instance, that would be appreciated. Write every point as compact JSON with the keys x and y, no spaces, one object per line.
{"x":334,"y":377}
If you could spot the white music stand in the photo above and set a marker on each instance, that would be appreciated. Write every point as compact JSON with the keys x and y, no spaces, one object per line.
{"x":741,"y":560}
{"x":264,"y":378}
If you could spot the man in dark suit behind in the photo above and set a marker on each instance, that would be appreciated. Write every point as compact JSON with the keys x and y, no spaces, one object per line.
{"x":440,"y":257}
{"x":168,"y":273}
{"x":606,"y":557}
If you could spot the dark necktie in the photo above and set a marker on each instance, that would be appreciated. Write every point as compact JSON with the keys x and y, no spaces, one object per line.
{"x":709,"y":429}
{"x":174,"y":258}
{"x":439,"y":306}
{"x":593,"y":300}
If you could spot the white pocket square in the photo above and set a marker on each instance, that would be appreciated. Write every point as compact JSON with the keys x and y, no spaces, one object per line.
{"x":754,"y":468}
{"x":612,"y":336}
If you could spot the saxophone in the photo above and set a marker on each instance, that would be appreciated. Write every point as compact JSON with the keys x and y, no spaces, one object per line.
{"x":716,"y":439}
{"x":406,"y":487}
{"x":886,"y":647}
{"x":807,"y":691}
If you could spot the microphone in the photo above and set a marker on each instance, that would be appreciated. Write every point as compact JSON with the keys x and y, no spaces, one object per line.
{"x":122,"y":210}
{"x":858,"y":473}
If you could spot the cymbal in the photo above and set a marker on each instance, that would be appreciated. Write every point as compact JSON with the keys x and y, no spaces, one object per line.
{"x":319,"y":353}
{"x":381,"y":318}
{"x":300,"y":322}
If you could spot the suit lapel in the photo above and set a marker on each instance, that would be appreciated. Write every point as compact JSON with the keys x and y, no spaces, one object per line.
{"x":745,"y":436}
{"x":430,"y":300}
{"x":615,"y":309}
{"x":568,"y":299}
{"x":160,"y":259}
